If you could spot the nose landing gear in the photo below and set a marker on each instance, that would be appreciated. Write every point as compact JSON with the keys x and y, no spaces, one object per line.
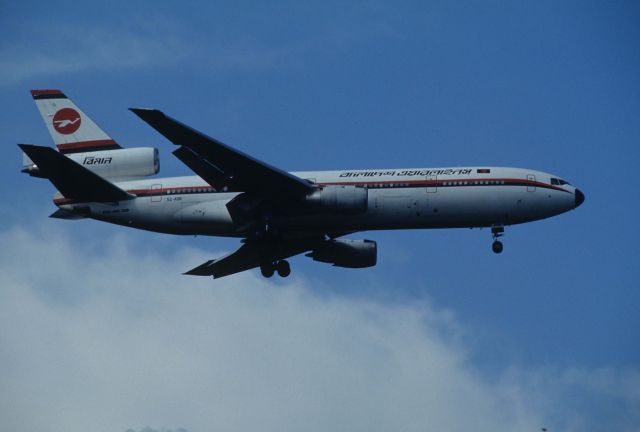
{"x":497,"y":231}
{"x":282,"y":267}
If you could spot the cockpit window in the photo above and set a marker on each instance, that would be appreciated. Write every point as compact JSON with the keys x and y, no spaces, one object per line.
{"x":557,"y":181}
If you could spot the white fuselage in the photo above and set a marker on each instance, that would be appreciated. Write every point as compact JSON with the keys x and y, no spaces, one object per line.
{"x":397,"y":199}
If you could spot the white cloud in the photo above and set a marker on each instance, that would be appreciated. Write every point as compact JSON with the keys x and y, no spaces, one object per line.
{"x":110,"y":339}
{"x":93,"y":48}
{"x":159,"y":41}
{"x":80,"y":48}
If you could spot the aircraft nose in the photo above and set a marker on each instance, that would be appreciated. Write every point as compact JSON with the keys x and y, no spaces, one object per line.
{"x":579,"y":197}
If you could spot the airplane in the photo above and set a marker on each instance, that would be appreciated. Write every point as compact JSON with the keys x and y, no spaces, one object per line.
{"x":276,"y":214}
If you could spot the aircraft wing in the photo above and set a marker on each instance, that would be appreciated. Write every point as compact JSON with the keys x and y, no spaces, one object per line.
{"x":252,"y":254}
{"x":220,"y":165}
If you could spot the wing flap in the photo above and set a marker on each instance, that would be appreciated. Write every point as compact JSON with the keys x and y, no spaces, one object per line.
{"x":245,"y":258}
{"x":203,"y":168}
{"x":253,"y":254}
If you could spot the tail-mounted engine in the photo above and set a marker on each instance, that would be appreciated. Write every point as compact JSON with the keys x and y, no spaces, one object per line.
{"x":346,"y":253}
{"x":119,"y":163}
{"x":339,"y":199}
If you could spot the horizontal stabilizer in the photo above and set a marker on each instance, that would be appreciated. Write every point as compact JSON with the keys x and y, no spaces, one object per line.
{"x":28,"y":167}
{"x":68,"y":215}
{"x":72,"y":179}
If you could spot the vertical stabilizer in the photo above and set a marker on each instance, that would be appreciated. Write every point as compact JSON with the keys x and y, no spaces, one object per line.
{"x":71,"y":129}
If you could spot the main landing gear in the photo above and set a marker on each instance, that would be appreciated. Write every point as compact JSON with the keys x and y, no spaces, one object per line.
{"x":282,"y":267}
{"x":497,"y":231}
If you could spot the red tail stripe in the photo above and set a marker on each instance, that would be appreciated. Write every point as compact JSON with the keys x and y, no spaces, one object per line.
{"x":35,"y":93}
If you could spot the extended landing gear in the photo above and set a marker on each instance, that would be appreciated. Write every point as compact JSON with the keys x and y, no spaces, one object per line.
{"x":267,"y":270}
{"x":282,"y":267}
{"x":497,"y":231}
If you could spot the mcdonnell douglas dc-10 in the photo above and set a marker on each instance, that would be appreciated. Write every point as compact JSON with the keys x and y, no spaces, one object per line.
{"x":277,"y":214}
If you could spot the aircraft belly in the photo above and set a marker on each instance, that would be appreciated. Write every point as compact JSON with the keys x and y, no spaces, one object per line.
{"x":165,"y":217}
{"x":211,"y":215}
{"x":477,"y":206}
{"x":469,"y":206}
{"x":485,"y":206}
{"x":447,"y":208}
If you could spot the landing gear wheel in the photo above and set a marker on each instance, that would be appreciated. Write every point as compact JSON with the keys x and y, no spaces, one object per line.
{"x":497,"y":231}
{"x":267,"y":270}
{"x":283,"y":268}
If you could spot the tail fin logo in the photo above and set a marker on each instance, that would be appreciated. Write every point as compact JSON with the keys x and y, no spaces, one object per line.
{"x":66,"y":121}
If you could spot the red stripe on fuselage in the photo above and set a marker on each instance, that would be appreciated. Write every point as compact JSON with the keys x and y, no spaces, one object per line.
{"x":438,"y":183}
{"x":88,"y":145}
{"x":451,"y":183}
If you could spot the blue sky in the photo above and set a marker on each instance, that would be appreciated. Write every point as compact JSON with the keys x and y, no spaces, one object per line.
{"x":547,"y":85}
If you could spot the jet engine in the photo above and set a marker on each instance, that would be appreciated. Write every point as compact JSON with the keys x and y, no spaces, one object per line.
{"x":346,"y":253}
{"x":112,"y":164}
{"x":345,"y":199}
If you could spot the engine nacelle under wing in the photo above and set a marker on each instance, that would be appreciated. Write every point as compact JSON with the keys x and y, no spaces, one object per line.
{"x":111,"y":164}
{"x":339,"y":199}
{"x":346,"y":253}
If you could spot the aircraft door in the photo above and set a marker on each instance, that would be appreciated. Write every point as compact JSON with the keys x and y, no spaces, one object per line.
{"x":432,"y":184}
{"x":531,"y":187}
{"x":155,"y":193}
